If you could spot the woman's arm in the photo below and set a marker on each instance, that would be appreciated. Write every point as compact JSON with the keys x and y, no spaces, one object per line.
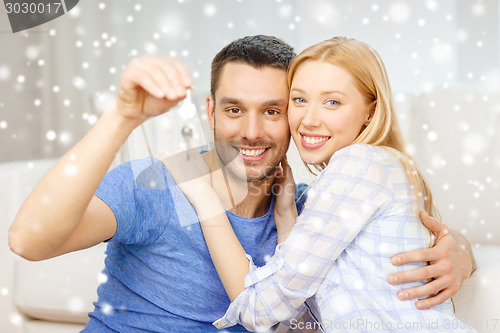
{"x":227,"y":254}
{"x":194,"y":179}
{"x":350,"y":193}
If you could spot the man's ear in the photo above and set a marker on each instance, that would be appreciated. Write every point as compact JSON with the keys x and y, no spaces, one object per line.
{"x":210,"y":107}
{"x":371,"y":112}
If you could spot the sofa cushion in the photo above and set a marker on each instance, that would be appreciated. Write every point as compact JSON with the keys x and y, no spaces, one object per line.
{"x":478,"y":300}
{"x":38,"y":326}
{"x":59,"y":289}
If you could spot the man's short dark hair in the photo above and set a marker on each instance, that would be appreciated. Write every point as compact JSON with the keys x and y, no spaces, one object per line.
{"x":257,"y":51}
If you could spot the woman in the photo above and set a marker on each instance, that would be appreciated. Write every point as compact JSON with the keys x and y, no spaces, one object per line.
{"x":361,"y":210}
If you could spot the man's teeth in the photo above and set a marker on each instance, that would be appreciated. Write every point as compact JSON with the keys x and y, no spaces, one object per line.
{"x":252,"y":152}
{"x":314,"y":140}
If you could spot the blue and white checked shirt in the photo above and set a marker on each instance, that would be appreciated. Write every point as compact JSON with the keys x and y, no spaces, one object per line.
{"x":358,"y":214}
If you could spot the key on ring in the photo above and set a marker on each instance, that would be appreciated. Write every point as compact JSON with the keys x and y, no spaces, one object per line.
{"x":186,"y":112}
{"x":187,"y":134}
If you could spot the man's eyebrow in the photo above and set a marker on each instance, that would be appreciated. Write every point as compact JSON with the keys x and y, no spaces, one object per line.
{"x":272,"y":102}
{"x":275,"y":102}
{"x":229,"y":100}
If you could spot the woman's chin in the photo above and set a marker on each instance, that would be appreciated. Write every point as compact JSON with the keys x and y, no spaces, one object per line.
{"x":309,"y":160}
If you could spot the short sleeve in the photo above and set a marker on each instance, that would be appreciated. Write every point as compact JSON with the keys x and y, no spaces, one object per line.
{"x":300,"y":196}
{"x":138,"y":194}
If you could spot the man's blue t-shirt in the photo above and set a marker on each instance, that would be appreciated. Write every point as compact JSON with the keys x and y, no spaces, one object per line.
{"x":159,"y":274}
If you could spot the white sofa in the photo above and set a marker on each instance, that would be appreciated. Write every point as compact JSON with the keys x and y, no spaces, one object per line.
{"x":55,"y":296}
{"x":41,"y":297}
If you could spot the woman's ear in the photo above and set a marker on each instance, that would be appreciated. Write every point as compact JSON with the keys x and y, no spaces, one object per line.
{"x":210,"y":107}
{"x":371,"y":112}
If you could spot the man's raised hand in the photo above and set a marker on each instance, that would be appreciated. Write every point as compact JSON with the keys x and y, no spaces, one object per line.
{"x":151,"y":85}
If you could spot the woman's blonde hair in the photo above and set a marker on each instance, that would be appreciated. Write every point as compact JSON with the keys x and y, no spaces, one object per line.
{"x":370,"y":77}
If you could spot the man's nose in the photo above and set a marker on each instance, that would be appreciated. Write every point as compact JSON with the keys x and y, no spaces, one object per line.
{"x":253,"y":127}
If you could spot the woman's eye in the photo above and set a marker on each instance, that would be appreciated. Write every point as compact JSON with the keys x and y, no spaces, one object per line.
{"x":332,"y":102}
{"x":299,"y":100}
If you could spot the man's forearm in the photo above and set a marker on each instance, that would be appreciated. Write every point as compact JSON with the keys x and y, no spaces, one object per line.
{"x":56,"y":205}
{"x":464,"y":244}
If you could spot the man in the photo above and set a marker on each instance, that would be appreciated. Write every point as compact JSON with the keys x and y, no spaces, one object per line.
{"x":160,"y":275}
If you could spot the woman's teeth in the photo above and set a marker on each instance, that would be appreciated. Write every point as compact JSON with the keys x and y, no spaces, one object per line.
{"x":314,"y":140}
{"x":252,"y":152}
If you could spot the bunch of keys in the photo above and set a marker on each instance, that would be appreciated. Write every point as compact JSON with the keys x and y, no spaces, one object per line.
{"x":187,"y":134}
{"x":186,"y":111}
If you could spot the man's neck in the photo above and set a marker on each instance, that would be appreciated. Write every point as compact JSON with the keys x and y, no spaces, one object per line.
{"x":245,"y":199}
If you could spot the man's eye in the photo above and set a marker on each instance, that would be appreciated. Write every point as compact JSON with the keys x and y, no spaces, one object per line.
{"x":234,"y":110}
{"x":272,"y":112}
